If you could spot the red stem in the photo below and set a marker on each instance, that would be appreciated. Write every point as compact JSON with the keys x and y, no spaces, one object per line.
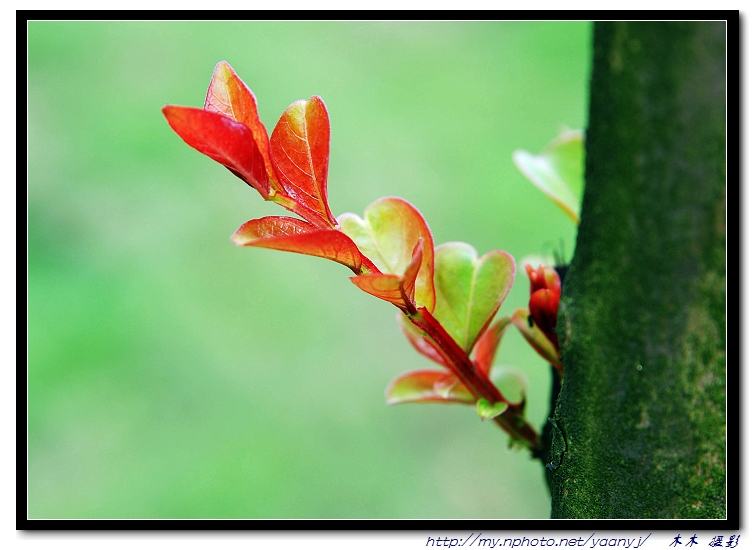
{"x":481,"y":386}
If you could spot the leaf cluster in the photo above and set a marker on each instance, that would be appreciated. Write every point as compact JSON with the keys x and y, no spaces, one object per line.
{"x":447,"y":294}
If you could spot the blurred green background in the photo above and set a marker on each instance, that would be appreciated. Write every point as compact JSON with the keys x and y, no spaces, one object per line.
{"x":173,"y":375}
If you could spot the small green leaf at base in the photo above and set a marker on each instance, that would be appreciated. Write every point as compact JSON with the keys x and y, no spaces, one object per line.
{"x":518,"y":443}
{"x":511,"y":382}
{"x":486,"y":409}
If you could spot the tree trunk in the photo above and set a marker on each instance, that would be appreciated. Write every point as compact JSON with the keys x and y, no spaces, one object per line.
{"x":640,"y":425}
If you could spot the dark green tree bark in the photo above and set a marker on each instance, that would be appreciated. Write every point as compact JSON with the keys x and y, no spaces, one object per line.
{"x":640,"y":425}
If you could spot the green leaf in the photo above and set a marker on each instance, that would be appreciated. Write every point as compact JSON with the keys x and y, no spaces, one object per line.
{"x":387,"y":235}
{"x":426,"y":386}
{"x":469,"y":290}
{"x":486,"y":409}
{"x":511,"y":382}
{"x":558,"y":171}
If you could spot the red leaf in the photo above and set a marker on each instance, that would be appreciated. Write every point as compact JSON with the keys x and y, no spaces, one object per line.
{"x":486,"y":347}
{"x":543,"y":277}
{"x":292,"y":235}
{"x":229,"y":96}
{"x":544,"y":311}
{"x":224,"y":140}
{"x":300,"y":146}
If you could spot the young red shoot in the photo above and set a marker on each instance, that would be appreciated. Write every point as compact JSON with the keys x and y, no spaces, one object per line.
{"x":448,"y":295}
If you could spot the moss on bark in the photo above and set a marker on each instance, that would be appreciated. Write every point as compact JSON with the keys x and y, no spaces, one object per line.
{"x":642,"y":411}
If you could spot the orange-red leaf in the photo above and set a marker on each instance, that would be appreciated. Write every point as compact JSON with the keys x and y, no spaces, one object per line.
{"x":230,"y":96}
{"x":292,"y":235}
{"x":394,"y":289}
{"x":486,"y":347}
{"x":419,"y":340}
{"x":300,"y":147}
{"x":384,"y":286}
{"x":222,"y":139}
{"x":428,"y":386}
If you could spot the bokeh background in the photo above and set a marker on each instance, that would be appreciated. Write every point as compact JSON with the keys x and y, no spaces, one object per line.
{"x":173,"y":375}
